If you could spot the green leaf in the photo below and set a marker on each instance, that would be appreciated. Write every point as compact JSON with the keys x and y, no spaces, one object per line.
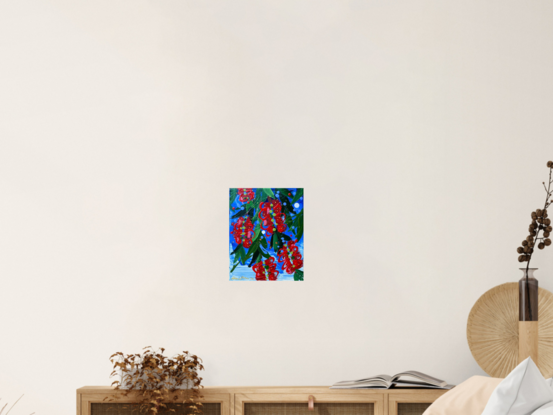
{"x":275,"y":242}
{"x":299,"y":193}
{"x":257,"y":230}
{"x":268,"y":192}
{"x":234,"y":267}
{"x":254,"y":247}
{"x":233,"y":193}
{"x":299,"y":234}
{"x":289,"y":221}
{"x":299,"y":225}
{"x":241,"y":253}
{"x":298,"y":275}
{"x":239,"y":214}
{"x":236,"y":249}
{"x":264,"y":242}
{"x":255,"y":257}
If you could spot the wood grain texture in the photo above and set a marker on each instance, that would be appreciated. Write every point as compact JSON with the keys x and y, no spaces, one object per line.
{"x":241,"y":399}
{"x":492,"y":330}
{"x":233,"y":399}
{"x":209,"y":390}
{"x":423,"y":396}
{"x":103,"y":395}
{"x":528,"y":340}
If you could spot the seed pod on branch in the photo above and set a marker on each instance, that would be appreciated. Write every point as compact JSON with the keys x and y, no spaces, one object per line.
{"x":540,"y":222}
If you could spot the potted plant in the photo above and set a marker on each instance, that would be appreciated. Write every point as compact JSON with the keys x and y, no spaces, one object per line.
{"x":539,"y":231}
{"x":158,"y":380}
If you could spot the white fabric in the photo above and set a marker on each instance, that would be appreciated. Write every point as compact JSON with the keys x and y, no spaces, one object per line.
{"x":522,"y":392}
{"x":468,"y":398}
{"x":546,"y":409}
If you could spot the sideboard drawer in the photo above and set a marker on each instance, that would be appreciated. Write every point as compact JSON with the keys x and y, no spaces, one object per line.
{"x":103,"y":404}
{"x":412,"y":408}
{"x":413,"y":402}
{"x":111,"y":408}
{"x":327,"y":408}
{"x":296,"y":404}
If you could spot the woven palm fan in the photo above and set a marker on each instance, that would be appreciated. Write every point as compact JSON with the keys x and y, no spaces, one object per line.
{"x":492,"y":330}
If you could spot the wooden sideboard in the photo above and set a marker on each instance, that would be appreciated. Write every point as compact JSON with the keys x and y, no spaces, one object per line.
{"x":284,"y":400}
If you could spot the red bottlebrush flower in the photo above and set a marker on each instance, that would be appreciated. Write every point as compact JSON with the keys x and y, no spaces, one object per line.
{"x":290,"y":255}
{"x":266,"y":270}
{"x":270,"y":213}
{"x":246,"y":195}
{"x":243,"y":231}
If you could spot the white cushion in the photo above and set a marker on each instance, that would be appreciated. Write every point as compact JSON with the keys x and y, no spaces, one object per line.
{"x":468,"y":398}
{"x":546,"y":409}
{"x":522,"y":392}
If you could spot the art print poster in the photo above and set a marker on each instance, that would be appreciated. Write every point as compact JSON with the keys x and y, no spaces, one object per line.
{"x":266,"y":234}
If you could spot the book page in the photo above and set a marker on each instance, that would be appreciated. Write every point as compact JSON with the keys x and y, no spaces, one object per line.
{"x":420,"y":376}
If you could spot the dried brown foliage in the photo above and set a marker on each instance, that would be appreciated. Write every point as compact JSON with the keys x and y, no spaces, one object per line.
{"x":158,"y":380}
{"x":540,"y":222}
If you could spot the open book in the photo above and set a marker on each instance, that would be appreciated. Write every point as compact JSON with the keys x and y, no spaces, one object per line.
{"x":408,"y":379}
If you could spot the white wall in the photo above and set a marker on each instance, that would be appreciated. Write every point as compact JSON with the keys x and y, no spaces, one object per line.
{"x":419,"y":129}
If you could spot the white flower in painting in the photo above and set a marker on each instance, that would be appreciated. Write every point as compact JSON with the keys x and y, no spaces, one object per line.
{"x":296,"y":205}
{"x":263,"y":232}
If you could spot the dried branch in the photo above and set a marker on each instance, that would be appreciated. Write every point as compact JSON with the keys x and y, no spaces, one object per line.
{"x":159,"y":380}
{"x":540,"y":222}
{"x":9,"y":410}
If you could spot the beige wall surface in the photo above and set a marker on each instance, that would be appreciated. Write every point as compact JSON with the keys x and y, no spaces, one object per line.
{"x":419,"y":129}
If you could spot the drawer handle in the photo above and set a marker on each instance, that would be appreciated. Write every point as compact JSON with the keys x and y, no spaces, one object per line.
{"x":311,"y":403}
